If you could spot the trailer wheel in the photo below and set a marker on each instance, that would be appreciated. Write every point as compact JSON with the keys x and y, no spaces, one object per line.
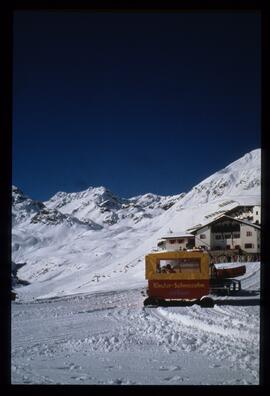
{"x":152,"y":301}
{"x":225,"y":292}
{"x":206,"y":302}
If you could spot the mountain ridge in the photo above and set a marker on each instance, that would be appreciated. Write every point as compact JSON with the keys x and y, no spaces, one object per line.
{"x":94,"y":240}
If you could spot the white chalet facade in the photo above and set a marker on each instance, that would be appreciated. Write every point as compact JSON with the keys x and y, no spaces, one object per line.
{"x":226,"y":233}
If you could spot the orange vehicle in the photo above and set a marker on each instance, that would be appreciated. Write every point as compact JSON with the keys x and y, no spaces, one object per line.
{"x":187,"y":275}
{"x":178,"y":275}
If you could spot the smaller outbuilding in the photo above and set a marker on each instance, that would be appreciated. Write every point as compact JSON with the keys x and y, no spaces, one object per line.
{"x":177,"y":241}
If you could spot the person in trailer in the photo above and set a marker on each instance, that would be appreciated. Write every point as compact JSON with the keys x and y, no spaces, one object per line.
{"x":169,"y":269}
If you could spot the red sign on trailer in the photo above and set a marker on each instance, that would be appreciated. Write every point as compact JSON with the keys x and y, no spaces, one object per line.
{"x":178,"y":289}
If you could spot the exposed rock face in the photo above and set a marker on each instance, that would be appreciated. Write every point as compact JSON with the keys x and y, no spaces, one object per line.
{"x":23,"y":207}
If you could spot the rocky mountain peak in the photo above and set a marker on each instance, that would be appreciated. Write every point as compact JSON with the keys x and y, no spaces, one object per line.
{"x":23,"y":207}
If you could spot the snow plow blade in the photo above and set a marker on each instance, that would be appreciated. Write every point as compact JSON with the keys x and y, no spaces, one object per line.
{"x":230,"y":272}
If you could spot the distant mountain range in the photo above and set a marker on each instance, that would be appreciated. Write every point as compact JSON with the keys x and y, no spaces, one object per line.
{"x":94,"y":240}
{"x":96,"y":207}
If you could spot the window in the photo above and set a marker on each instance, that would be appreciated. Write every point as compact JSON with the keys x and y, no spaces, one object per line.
{"x":160,"y":243}
{"x":237,"y":246}
{"x":249,"y":233}
{"x":202,"y":236}
{"x":172,"y":241}
{"x":228,"y":247}
{"x":191,"y":266}
{"x":218,"y":237}
{"x":227,"y":236}
{"x":180,"y":240}
{"x":236,"y":235}
{"x":178,"y":265}
{"x":257,"y":213}
{"x":248,"y":245}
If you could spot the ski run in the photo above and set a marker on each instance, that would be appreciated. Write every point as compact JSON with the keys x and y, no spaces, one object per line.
{"x":110,"y":338}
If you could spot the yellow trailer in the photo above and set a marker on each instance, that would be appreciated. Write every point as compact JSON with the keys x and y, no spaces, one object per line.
{"x":187,"y":275}
{"x":178,"y":275}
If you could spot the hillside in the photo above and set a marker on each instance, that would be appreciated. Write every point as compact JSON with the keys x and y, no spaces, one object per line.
{"x":93,"y":240}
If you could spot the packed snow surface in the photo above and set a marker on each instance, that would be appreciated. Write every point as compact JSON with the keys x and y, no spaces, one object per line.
{"x":111,"y":338}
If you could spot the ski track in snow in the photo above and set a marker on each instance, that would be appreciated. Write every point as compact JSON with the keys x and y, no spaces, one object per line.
{"x":90,"y":339}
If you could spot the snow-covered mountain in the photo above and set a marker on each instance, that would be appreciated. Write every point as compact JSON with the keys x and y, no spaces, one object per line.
{"x":94,"y":240}
{"x":23,"y":207}
{"x":104,"y":207}
{"x":241,"y":178}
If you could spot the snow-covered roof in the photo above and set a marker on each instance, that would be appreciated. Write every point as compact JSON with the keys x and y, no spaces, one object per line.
{"x":181,"y":234}
{"x":242,"y":206}
{"x":229,"y":217}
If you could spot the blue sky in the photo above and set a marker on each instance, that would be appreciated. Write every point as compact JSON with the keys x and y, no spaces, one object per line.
{"x":136,"y":102}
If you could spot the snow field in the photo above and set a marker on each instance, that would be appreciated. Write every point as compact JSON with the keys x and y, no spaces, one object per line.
{"x":90,"y":338}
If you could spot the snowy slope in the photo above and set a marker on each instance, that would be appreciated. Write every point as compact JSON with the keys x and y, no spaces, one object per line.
{"x":89,"y":339}
{"x":93,"y":240}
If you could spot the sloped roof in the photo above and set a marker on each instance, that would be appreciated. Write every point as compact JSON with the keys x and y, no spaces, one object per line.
{"x":223,"y":216}
{"x":245,"y":222}
{"x":179,"y":234}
